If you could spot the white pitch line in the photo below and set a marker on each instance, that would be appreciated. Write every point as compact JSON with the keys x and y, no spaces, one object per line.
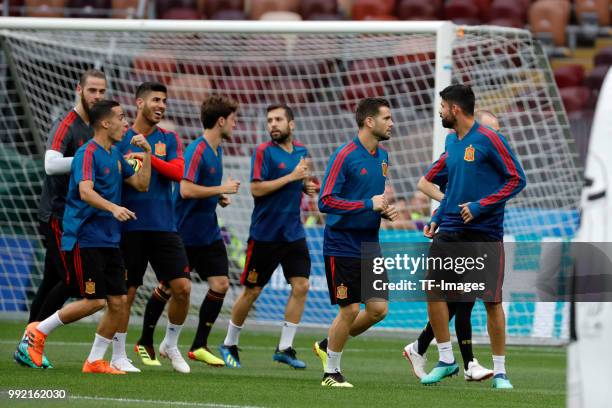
{"x":145,"y":401}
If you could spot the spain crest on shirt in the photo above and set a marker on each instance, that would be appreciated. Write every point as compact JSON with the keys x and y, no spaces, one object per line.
{"x":385,"y":167}
{"x":469,"y":153}
{"x":252,"y":276}
{"x":90,"y":287}
{"x":160,"y":148}
{"x":341,"y":292}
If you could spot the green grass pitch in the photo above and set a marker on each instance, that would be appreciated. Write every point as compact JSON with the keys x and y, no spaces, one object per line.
{"x":374,"y":364}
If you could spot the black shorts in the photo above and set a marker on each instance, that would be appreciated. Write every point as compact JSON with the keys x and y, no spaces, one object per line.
{"x":264,"y":257}
{"x":351,"y":280}
{"x":56,"y":264}
{"x":164,"y":250}
{"x":209,"y":260}
{"x":96,"y":273}
{"x":482,"y":277}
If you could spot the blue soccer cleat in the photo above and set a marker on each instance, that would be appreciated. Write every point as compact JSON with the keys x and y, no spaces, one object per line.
{"x":440,"y":371}
{"x":288,"y":356}
{"x":230,"y":356}
{"x":501,"y":382}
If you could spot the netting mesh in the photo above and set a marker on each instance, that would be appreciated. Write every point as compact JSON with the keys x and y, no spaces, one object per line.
{"x":322,"y":76}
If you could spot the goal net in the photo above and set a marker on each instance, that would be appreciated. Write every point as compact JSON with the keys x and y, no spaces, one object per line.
{"x":321,"y":70}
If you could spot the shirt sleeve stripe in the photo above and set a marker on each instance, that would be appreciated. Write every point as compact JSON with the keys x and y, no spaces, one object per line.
{"x":433,"y":172}
{"x":508,"y":162}
{"x":88,"y":162}
{"x":195,"y":161}
{"x":259,"y":156}
{"x":179,"y":145}
{"x":333,"y":173}
{"x":341,"y":204}
{"x":61,"y":131}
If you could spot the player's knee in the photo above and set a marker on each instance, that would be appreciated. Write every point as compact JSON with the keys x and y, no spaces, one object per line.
{"x":300,"y":287}
{"x":117,"y":304}
{"x":349,"y":312}
{"x":221,"y":286}
{"x":251,"y":294}
{"x":96,"y":304}
{"x":378,"y":311}
{"x":181,"y":289}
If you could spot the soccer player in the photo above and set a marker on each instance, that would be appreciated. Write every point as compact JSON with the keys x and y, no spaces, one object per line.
{"x":279,"y":173}
{"x":353,"y":199}
{"x":91,"y":237}
{"x":67,"y":134}
{"x":153,"y":236}
{"x":472,"y":213}
{"x":195,"y":204}
{"x":437,"y":175}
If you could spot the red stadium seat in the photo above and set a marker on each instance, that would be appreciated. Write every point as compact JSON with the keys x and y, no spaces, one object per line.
{"x":364,"y":78}
{"x":155,"y":67}
{"x":575,"y":98}
{"x":212,"y":7}
{"x":369,"y":8}
{"x":603,"y":57}
{"x":462,"y":12}
{"x":124,"y":8}
{"x":416,"y":10}
{"x":45,"y":8}
{"x":569,"y":75}
{"x":163,"y":6}
{"x":89,"y":8}
{"x":229,"y":15}
{"x":290,"y":91}
{"x":510,"y":9}
{"x":310,"y":7}
{"x":181,"y":14}
{"x":595,"y":78}
{"x":550,"y":17}
{"x":593,"y":10}
{"x":260,"y":7}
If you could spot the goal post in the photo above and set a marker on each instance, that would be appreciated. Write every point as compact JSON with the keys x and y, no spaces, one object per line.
{"x":321,"y":69}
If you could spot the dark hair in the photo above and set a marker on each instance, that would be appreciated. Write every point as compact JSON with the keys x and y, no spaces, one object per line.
{"x":460,"y":95}
{"x":288,"y":110}
{"x":91,"y":73}
{"x":214,"y":107}
{"x":100,"y":111}
{"x":147,"y":87}
{"x":369,"y":107}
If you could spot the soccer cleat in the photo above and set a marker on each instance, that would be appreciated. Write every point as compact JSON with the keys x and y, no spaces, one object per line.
{"x":476,"y":372}
{"x":230,"y":356}
{"x":501,"y":382}
{"x":321,"y":353}
{"x":335,"y":380}
{"x":173,"y":353}
{"x":124,"y":364}
{"x":100,"y":367}
{"x":440,"y":371}
{"x":23,"y":359}
{"x":45,"y":362}
{"x":288,"y":356}
{"x":416,"y":360}
{"x":36,"y":343}
{"x":204,"y":355}
{"x":147,"y":355}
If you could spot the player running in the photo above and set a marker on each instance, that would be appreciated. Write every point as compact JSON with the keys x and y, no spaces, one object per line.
{"x":472,"y":213}
{"x":279,"y":175}
{"x":354,"y":202}
{"x":91,"y":237}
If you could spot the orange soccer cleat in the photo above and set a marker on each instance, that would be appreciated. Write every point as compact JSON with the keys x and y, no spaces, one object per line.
{"x":36,"y":343}
{"x":100,"y":367}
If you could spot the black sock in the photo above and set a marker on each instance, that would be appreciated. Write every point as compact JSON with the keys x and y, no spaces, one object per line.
{"x":153,"y":311}
{"x":427,"y":335}
{"x":323,"y":344}
{"x":54,"y":301}
{"x":463,"y":329}
{"x":50,"y":279}
{"x":209,"y":311}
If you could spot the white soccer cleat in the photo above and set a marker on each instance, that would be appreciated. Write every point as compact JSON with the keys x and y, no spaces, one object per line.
{"x":476,"y":372}
{"x":173,"y":353}
{"x":416,"y":360}
{"x":124,"y":364}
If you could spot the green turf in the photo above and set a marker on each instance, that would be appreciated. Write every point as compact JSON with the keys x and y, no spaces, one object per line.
{"x":373,"y":364}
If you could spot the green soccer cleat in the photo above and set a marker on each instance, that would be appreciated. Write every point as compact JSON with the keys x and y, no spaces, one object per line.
{"x":321,"y":353}
{"x":22,"y":357}
{"x":204,"y":355}
{"x":440,"y":371}
{"x":147,"y":355}
{"x":501,"y":382}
